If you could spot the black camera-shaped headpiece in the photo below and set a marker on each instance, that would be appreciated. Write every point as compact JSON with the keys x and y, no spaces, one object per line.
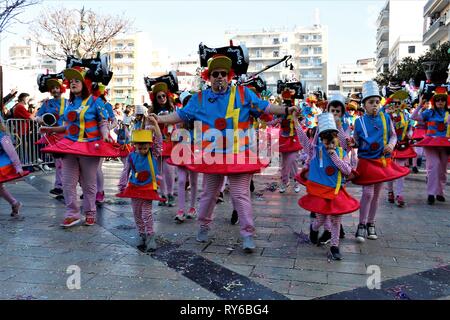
{"x":238,"y":55}
{"x":99,"y":67}
{"x":258,"y":83}
{"x":42,"y":80}
{"x":170,"y":79}
{"x":297,"y":86}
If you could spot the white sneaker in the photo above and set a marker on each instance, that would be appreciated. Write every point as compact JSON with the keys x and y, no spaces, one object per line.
{"x":283,"y":188}
{"x":297,"y":187}
{"x":46,"y":167}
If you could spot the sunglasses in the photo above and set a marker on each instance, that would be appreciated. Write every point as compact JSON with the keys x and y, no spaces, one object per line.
{"x":336,"y":111}
{"x":440,"y":99}
{"x":215,"y":74}
{"x":161,"y":96}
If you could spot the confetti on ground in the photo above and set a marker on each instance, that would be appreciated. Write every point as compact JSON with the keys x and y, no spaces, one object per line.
{"x":22,"y":297}
{"x":302,"y":238}
{"x":232,"y":285}
{"x":399,"y":292}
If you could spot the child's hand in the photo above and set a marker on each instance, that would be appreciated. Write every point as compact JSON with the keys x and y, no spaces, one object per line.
{"x":107,"y":139}
{"x":351,"y":142}
{"x":387,"y":149}
{"x":21,"y":173}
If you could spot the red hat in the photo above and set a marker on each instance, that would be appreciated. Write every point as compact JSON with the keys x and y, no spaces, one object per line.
{"x":440,"y":92}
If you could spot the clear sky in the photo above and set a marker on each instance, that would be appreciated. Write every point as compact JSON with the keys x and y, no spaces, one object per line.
{"x":180,"y":26}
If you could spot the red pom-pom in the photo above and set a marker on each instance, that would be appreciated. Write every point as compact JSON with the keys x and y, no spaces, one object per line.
{"x":374,"y":146}
{"x":143,"y":176}
{"x":72,"y":116}
{"x":330,"y":170}
{"x":74,"y":130}
{"x":220,"y":124}
{"x":441,"y":127}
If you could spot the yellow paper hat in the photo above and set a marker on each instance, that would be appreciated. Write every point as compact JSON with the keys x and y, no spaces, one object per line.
{"x":219,"y":62}
{"x":142,"y":136}
{"x":400,"y":95}
{"x":159,"y":86}
{"x":53,"y":83}
{"x":75,"y":73}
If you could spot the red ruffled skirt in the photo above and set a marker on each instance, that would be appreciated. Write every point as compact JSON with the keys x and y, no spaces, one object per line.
{"x":8,"y":173}
{"x":50,"y":138}
{"x":342,"y":203}
{"x":140,"y":192}
{"x":406,"y":153}
{"x":419,"y":134}
{"x":430,"y":141}
{"x":98,"y":148}
{"x":289,"y":144}
{"x":227,"y":164}
{"x":371,"y":171}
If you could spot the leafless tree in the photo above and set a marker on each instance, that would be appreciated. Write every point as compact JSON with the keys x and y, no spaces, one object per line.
{"x":81,"y":33}
{"x":10,"y":9}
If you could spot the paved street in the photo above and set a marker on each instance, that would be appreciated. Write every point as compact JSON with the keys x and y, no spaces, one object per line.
{"x":412,"y":252}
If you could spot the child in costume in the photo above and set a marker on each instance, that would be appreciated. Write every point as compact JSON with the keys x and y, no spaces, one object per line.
{"x":55,"y":107}
{"x":326,"y":194}
{"x":184,"y":173}
{"x":436,"y":143}
{"x":10,"y":169}
{"x":375,"y":138}
{"x":139,"y":180}
{"x":123,"y":138}
{"x":403,"y":150}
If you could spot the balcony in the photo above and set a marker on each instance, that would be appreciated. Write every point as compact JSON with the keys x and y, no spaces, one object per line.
{"x":311,"y":77}
{"x":265,"y":44}
{"x":383,"y":18}
{"x":437,"y":31}
{"x":382,"y":49}
{"x":433,"y":6}
{"x":383,"y":34}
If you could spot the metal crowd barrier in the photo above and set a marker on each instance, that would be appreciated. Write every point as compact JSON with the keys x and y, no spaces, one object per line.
{"x":24,"y":133}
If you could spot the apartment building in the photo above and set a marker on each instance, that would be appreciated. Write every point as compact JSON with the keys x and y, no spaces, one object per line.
{"x":436,"y":24}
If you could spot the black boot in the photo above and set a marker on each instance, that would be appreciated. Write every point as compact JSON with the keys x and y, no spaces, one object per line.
{"x":440,"y":198}
{"x":415,"y":170}
{"x":252,"y":186}
{"x":325,"y":237}
{"x":313,"y":235}
{"x":234,"y":217}
{"x":430,"y":199}
{"x":341,"y":233}
{"x":335,"y":254}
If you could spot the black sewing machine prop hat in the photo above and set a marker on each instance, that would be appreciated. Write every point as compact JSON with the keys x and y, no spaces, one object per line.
{"x":43,"y":80}
{"x":298,"y":87}
{"x":258,"y":83}
{"x":99,"y":67}
{"x":238,"y":55}
{"x":169,"y":79}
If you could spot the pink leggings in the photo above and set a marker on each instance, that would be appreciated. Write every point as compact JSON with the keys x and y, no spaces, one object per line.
{"x":167,"y":173}
{"x":6,"y":195}
{"x":142,"y":210}
{"x":419,"y":152}
{"x":398,"y":182}
{"x":332,"y":223}
{"x":240,"y":195}
{"x":288,"y":166}
{"x":83,"y":169}
{"x":100,"y":177}
{"x":58,"y":173}
{"x":437,"y":161}
{"x":193,"y":177}
{"x":369,"y":203}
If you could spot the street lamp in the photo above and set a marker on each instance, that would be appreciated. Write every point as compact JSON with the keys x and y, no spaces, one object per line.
{"x":428,"y":68}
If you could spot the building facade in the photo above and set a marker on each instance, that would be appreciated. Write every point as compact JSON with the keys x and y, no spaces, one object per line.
{"x":129,"y":63}
{"x":308,"y":47}
{"x":399,"y":19}
{"x":352,"y":76}
{"x":436,"y":24}
{"x":405,"y":47}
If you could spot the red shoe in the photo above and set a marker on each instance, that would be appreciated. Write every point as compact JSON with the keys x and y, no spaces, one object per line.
{"x":70,"y":222}
{"x":192,"y":213}
{"x":90,"y":220}
{"x":15,"y":209}
{"x":100,"y":197}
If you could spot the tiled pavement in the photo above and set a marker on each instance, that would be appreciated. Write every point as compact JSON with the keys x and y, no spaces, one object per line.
{"x":35,"y":253}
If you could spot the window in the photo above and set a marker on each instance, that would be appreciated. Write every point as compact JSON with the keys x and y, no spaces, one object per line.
{"x":304,"y":61}
{"x":130,"y":56}
{"x":411,"y":49}
{"x":120,"y":45}
{"x":130,"y":44}
{"x":318,"y":50}
{"x":258,"y":53}
{"x":276,"y":54}
{"x":119,"y":92}
{"x":304,"y":50}
{"x":285,"y":39}
{"x":276,"y":41}
{"x":118,"y":56}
